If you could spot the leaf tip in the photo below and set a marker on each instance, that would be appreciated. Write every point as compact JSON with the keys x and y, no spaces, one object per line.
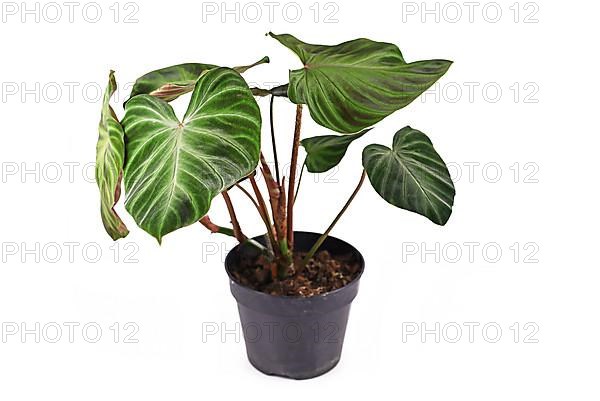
{"x":447,"y":64}
{"x":120,"y":234}
{"x":444,"y":220}
{"x":111,"y":78}
{"x":273,"y":35}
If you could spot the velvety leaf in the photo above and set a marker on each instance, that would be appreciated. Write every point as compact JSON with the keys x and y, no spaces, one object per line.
{"x":411,"y":175}
{"x":109,"y":163}
{"x":325,"y":152}
{"x":353,"y":85}
{"x":174,"y":169}
{"x":171,"y":82}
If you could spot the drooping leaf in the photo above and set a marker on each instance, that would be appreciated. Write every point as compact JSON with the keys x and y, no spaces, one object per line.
{"x":171,"y":82}
{"x":325,"y":152}
{"x":353,"y":85}
{"x":174,"y":169}
{"x":109,"y":163}
{"x":411,"y":175}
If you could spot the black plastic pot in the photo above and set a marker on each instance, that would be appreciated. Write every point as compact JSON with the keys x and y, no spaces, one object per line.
{"x":294,"y":337}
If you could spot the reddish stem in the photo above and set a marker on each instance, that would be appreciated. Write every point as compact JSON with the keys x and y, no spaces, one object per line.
{"x":237,"y":230}
{"x":292,"y":182}
{"x":264,"y":214}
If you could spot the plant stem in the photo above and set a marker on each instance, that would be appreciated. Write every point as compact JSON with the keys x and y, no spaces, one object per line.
{"x":281,"y":90}
{"x":260,"y":91}
{"x":322,"y":238}
{"x":299,"y":181}
{"x":292,"y":183}
{"x":276,"y":199}
{"x":264,"y":214}
{"x":213,"y":228}
{"x":241,"y":188}
{"x":273,"y":139}
{"x":237,"y":230}
{"x":277,"y":91}
{"x":270,"y":245}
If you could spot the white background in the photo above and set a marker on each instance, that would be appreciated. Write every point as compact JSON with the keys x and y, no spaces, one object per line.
{"x":546,"y":132}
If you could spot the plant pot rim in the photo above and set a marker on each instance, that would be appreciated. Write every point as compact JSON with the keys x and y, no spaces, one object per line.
{"x":361,"y":261}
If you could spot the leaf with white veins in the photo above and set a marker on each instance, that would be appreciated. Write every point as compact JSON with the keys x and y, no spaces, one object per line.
{"x":109,"y":164}
{"x":174,"y":169}
{"x":411,"y":175}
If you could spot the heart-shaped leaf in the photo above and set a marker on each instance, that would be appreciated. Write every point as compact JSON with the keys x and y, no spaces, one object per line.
{"x":411,"y":175}
{"x":174,"y":169}
{"x":109,"y":163}
{"x":325,"y":152}
{"x":171,"y":82}
{"x":353,"y":85}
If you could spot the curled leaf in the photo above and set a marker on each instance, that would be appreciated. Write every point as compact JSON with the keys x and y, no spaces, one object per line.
{"x":171,"y":82}
{"x":109,"y":163}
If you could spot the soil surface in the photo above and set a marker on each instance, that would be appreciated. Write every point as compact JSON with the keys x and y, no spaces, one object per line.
{"x":323,"y":273}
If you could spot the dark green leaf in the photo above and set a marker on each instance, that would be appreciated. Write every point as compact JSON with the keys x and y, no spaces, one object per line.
{"x":174,"y":169}
{"x":354,"y":85}
{"x":326,"y":152}
{"x":411,"y":175}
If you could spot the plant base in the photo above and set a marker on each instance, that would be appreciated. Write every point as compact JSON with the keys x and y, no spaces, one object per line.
{"x":294,"y":337}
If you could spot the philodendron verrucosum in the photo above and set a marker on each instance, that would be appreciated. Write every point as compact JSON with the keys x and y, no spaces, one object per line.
{"x":173,"y":167}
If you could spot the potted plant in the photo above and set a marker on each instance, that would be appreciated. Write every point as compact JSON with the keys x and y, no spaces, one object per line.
{"x":293,"y":289}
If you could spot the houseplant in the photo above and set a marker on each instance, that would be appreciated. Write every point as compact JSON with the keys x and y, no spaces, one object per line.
{"x":172,"y":169}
